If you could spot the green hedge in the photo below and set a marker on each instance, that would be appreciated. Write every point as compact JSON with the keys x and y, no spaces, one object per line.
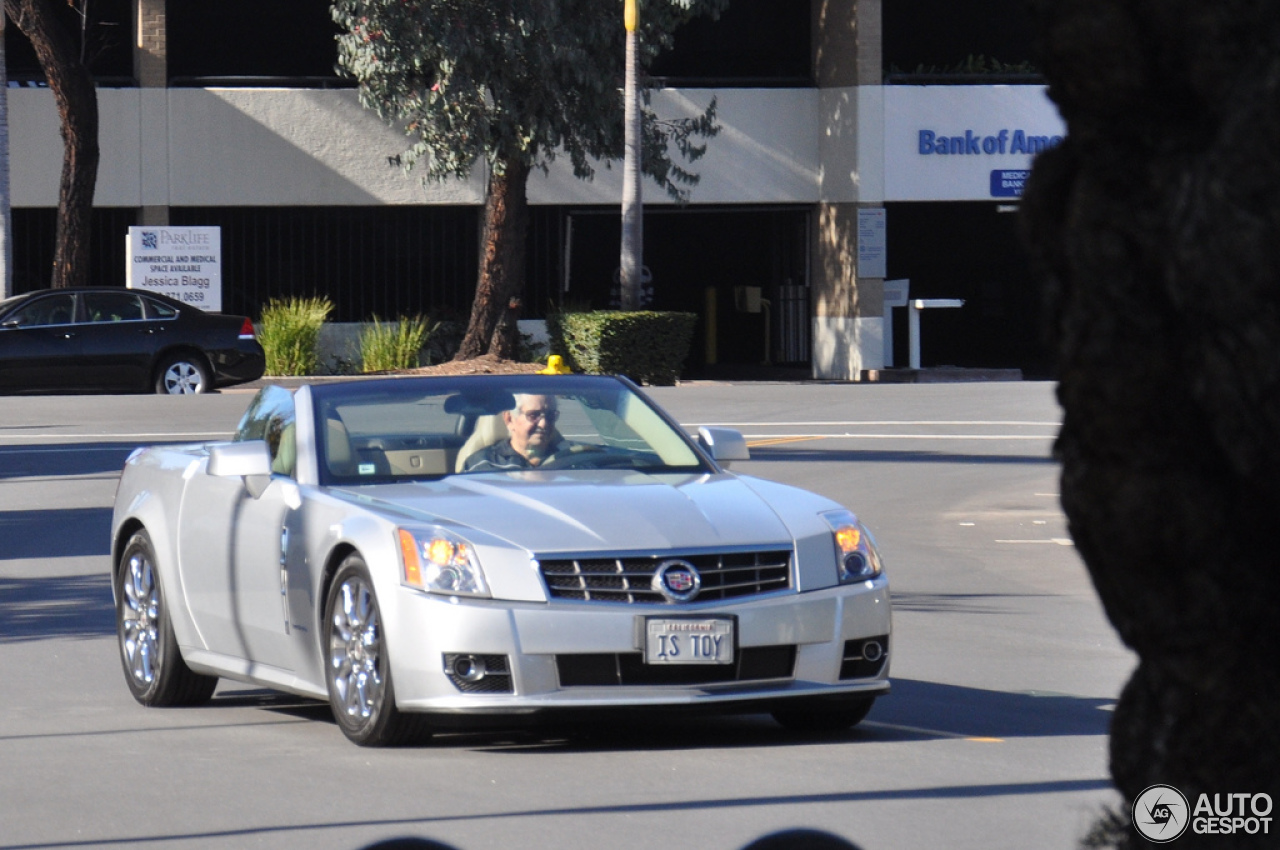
{"x":648,"y":347}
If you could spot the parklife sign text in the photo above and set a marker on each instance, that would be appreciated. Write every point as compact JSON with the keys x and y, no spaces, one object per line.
{"x":184,"y":263}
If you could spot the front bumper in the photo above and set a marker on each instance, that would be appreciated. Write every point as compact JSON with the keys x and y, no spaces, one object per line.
{"x":818,"y":628}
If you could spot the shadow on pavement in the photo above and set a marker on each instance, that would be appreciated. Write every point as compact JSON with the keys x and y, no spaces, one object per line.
{"x":63,"y":533}
{"x":62,"y":459}
{"x":55,"y":607}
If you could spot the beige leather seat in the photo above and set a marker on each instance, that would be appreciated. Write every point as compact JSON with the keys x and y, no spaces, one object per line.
{"x":286,"y":451}
{"x":340,"y":457}
{"x":489,"y":429}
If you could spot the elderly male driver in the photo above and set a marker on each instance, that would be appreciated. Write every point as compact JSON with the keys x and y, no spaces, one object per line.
{"x":534,"y":438}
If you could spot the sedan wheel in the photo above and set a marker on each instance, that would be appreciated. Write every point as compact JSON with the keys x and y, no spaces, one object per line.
{"x":183,"y":375}
{"x":153,"y":664}
{"x":357,"y":670}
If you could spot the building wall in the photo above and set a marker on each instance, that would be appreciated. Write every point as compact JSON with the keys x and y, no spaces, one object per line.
{"x":312,"y":147}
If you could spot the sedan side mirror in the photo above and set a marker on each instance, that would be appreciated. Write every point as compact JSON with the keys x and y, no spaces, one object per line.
{"x":724,"y":444}
{"x":250,"y":460}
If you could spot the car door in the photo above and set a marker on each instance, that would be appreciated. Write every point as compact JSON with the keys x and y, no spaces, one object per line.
{"x":238,"y":553}
{"x":38,"y":346}
{"x":118,"y":338}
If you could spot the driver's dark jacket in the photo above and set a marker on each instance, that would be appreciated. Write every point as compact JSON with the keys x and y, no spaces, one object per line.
{"x":501,"y":456}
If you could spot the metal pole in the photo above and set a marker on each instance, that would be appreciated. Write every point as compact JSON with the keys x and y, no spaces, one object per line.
{"x":913,"y":332}
{"x":631,"y":263}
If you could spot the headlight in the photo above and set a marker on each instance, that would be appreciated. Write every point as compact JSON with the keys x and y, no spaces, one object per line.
{"x":440,"y":562}
{"x":856,"y":553}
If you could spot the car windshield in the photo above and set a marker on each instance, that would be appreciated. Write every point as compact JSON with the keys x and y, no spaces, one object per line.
{"x":425,"y":428}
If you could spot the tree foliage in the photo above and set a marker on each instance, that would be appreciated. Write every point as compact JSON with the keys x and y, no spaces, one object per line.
{"x":513,"y":84}
{"x":508,"y":80}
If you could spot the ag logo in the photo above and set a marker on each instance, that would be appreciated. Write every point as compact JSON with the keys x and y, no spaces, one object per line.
{"x":1161,"y":814}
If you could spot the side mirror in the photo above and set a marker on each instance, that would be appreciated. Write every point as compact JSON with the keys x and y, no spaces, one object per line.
{"x":250,"y":460}
{"x":724,"y":444}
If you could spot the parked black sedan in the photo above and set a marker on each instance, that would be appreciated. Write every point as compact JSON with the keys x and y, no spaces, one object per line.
{"x":109,"y":339}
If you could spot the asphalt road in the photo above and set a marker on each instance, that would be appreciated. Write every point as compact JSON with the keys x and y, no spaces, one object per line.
{"x":1004,"y":667}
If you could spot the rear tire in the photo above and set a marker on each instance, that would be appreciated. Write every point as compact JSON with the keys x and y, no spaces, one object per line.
{"x":822,"y":716}
{"x":153,"y":664}
{"x":357,"y":668}
{"x":183,"y":374}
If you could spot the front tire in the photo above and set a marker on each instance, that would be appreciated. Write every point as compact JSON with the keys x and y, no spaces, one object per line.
{"x":153,"y":665}
{"x":357,"y":669}
{"x":183,"y":374}
{"x":822,"y":717}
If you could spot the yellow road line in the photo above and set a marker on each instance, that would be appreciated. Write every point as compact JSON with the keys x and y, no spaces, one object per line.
{"x":780,"y":440}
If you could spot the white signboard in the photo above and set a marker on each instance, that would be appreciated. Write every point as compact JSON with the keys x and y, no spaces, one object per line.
{"x":871,"y":243}
{"x":964,"y":143}
{"x":184,"y":263}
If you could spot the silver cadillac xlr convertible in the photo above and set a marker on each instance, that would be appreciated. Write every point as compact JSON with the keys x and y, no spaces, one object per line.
{"x":424,"y":551}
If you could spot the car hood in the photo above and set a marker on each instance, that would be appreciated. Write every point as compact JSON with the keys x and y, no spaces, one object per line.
{"x":586,"y":511}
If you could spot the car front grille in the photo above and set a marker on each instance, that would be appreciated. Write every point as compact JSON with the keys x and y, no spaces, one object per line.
{"x":726,"y":575}
{"x":754,"y":663}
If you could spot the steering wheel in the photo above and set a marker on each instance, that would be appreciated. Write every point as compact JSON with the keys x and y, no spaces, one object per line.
{"x":586,"y":456}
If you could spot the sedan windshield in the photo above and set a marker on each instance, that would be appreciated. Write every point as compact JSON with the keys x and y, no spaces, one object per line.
{"x":424,"y":428}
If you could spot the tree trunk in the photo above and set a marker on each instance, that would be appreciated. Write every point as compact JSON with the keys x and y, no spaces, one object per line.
{"x":77,"y":102}
{"x":1156,"y":229}
{"x":492,"y":329}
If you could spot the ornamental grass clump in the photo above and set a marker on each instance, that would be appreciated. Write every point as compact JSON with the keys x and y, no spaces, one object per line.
{"x":290,"y":334}
{"x":390,"y":346}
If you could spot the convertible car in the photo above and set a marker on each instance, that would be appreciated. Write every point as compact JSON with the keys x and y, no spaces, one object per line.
{"x":424,"y":552}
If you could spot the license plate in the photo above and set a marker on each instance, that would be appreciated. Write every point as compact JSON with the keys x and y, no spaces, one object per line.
{"x":688,"y":641}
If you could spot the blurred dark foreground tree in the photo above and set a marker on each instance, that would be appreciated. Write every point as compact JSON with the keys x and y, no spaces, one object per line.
{"x":1156,"y":228}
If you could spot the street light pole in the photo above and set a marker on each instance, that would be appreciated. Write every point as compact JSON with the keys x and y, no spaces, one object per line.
{"x":632,"y":208}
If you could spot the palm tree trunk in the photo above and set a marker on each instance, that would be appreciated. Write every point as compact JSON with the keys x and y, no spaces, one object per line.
{"x":631,"y":261}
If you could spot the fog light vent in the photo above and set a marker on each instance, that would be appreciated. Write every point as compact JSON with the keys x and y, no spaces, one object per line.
{"x":484,"y":674}
{"x":864,"y":657}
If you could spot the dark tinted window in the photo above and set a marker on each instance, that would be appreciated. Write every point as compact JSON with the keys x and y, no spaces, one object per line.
{"x":158,"y":309}
{"x":940,"y":35}
{"x":107,"y":47}
{"x":755,"y":42}
{"x":250,"y":38}
{"x":112,"y":307}
{"x":49,"y":310}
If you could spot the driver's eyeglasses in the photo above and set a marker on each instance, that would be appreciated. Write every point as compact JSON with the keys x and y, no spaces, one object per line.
{"x":534,"y":415}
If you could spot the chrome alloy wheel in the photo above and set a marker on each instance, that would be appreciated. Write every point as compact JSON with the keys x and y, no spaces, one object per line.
{"x":140,"y":620}
{"x":355,"y":645}
{"x":183,"y":378}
